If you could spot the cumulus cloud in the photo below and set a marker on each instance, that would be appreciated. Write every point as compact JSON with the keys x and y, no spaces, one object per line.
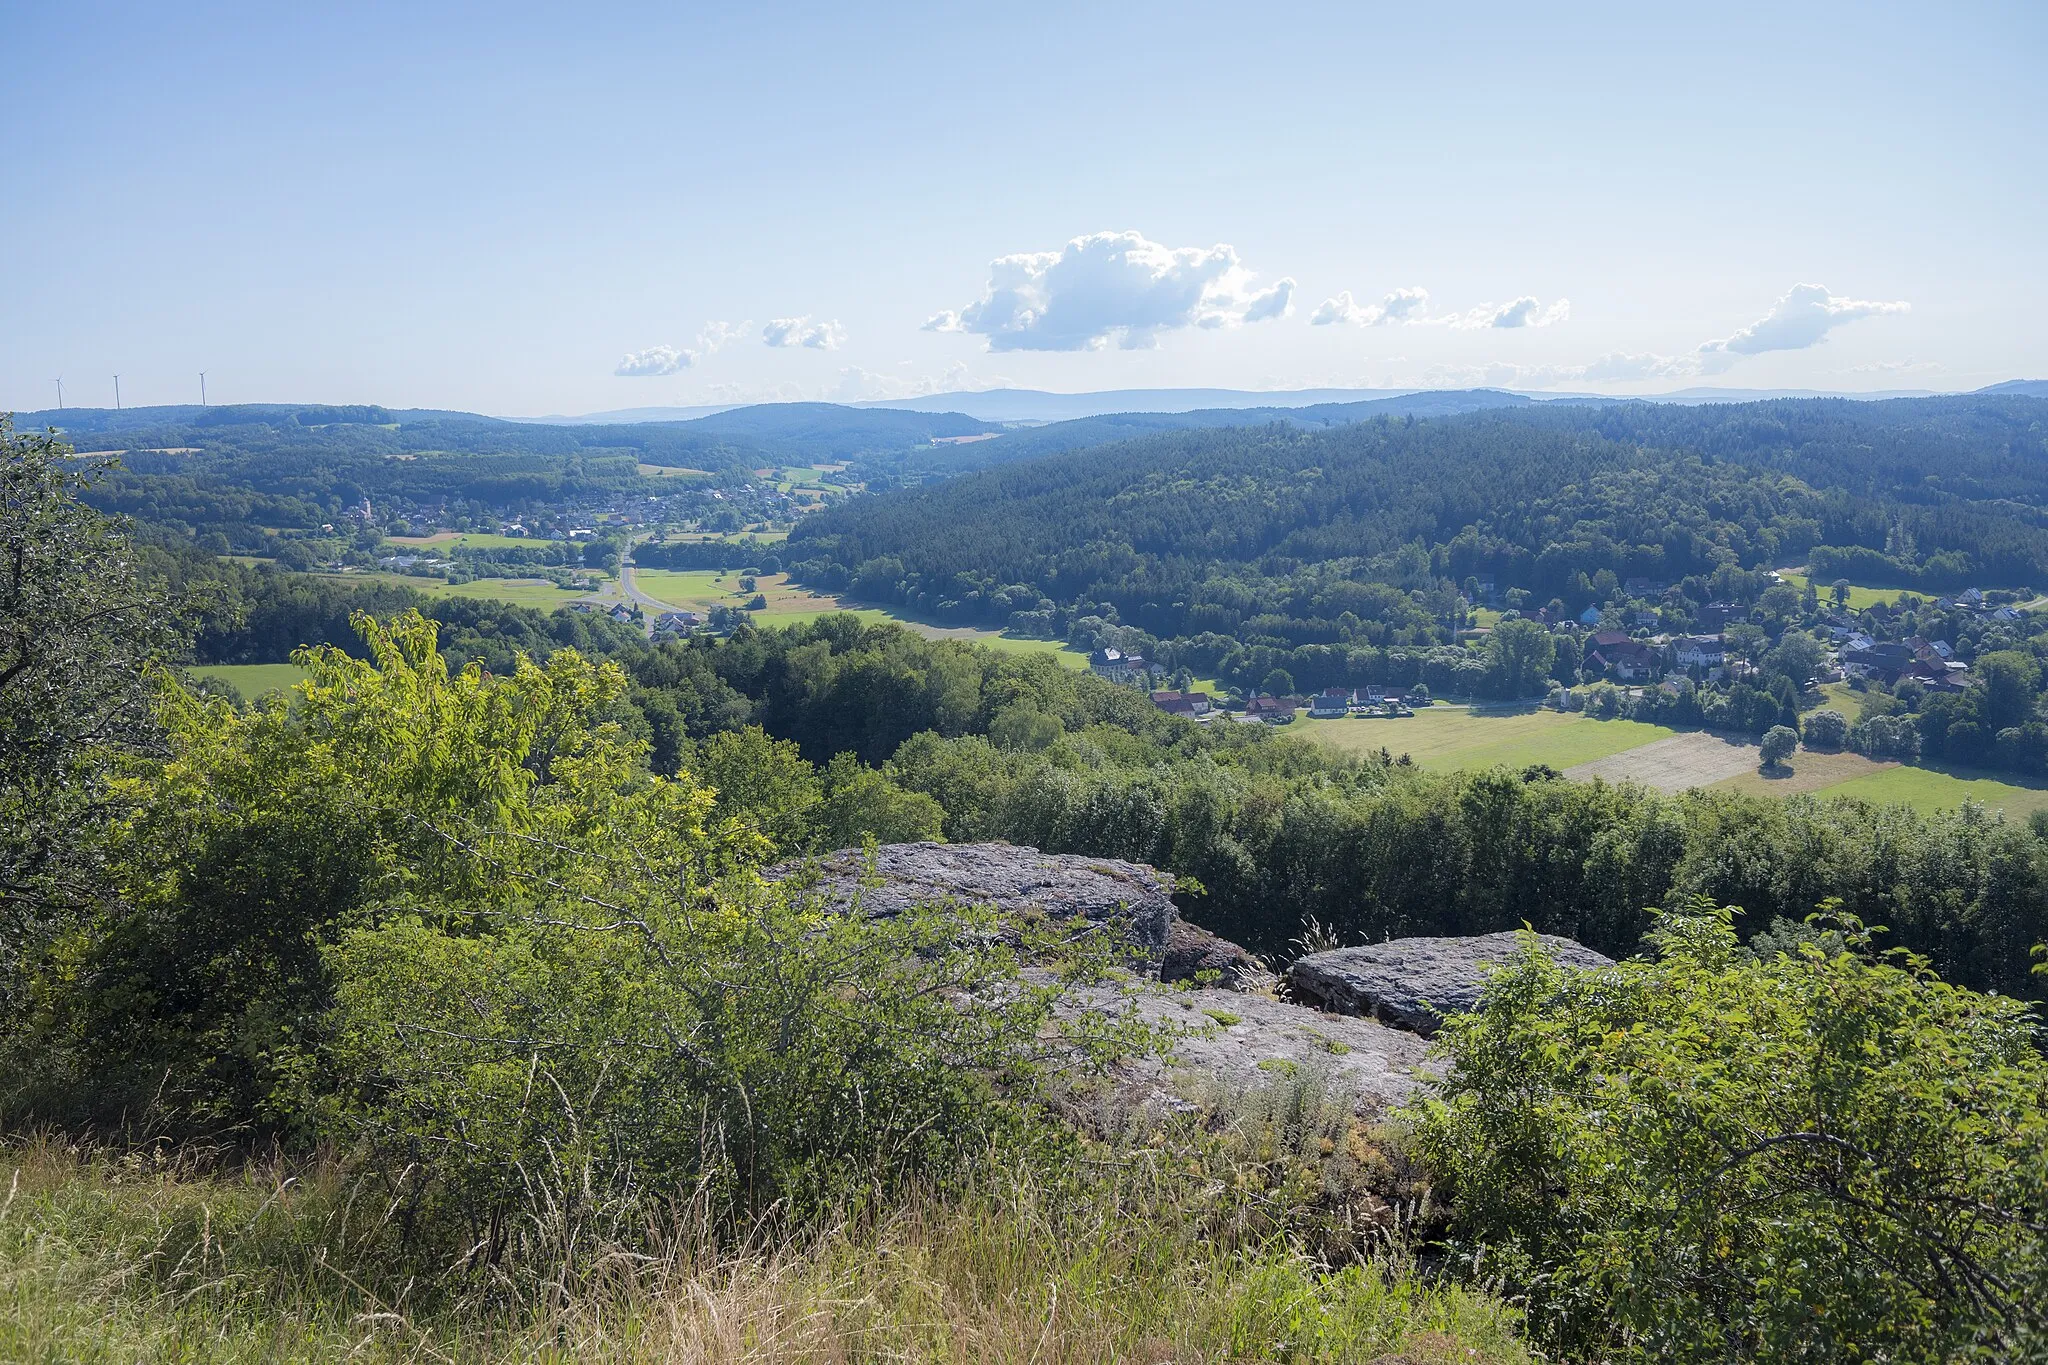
{"x":654,"y":362}
{"x":1522,"y":312}
{"x":1802,"y":318}
{"x":1403,"y":305}
{"x":716,"y":336}
{"x":818,"y":336}
{"x":1112,"y":287}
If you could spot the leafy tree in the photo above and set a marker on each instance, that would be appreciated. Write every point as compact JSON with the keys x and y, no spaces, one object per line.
{"x":269,"y":833}
{"x":1826,"y":729}
{"x":1778,"y":744}
{"x":1796,"y":658}
{"x":1704,"y":1156}
{"x":1278,"y":683}
{"x":1519,"y":657}
{"x":81,"y":626}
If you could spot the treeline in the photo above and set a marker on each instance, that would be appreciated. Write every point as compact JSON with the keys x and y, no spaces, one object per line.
{"x":742,"y":553}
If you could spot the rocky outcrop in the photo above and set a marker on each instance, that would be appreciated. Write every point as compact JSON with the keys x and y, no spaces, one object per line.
{"x":1229,"y":1037}
{"x":1191,"y":950}
{"x":1009,"y":877}
{"x":1412,"y":983}
{"x":1237,"y":1039}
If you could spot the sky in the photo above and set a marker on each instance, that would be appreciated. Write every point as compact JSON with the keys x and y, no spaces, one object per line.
{"x":531,"y":210}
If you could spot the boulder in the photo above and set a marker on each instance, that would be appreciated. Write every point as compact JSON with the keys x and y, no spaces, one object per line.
{"x":1007,"y":876}
{"x":1191,"y":950}
{"x":1412,"y":983}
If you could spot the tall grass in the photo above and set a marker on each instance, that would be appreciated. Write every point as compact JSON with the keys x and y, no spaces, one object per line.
{"x":171,"y":1255}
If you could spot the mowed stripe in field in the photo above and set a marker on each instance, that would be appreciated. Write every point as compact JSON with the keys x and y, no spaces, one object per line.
{"x":1674,"y":764}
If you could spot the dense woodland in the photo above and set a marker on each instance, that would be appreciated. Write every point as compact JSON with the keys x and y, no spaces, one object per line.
{"x":1283,"y":536}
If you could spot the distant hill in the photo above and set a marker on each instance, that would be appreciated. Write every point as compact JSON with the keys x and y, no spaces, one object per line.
{"x":1121,"y":426}
{"x":2025,"y":388}
{"x":834,"y":431}
{"x":1033,"y":405}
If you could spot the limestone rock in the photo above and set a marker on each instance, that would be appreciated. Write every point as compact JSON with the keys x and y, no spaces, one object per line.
{"x":1238,"y":1039}
{"x":1007,"y":876}
{"x":1412,"y":983}
{"x":1191,"y":949}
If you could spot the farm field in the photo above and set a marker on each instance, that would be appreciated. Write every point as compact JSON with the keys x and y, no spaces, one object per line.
{"x":1860,"y":598}
{"x":519,"y":592}
{"x":251,"y":680}
{"x":1684,"y":761}
{"x":474,"y":540}
{"x":1928,"y":789}
{"x":790,"y":604}
{"x":663,"y":471}
{"x":1807,"y":771}
{"x":1457,"y":737}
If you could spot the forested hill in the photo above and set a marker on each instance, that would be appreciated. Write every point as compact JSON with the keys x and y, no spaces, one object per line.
{"x":1204,"y":531}
{"x":772,"y":432}
{"x":1080,"y":432}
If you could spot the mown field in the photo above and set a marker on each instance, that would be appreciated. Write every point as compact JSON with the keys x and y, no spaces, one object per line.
{"x":473,"y":540}
{"x":1456,"y":737}
{"x":1860,"y":597}
{"x":520,"y":592}
{"x":790,"y":604}
{"x":1453,"y":738}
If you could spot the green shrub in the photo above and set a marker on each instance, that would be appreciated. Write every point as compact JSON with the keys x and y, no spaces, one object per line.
{"x":1707,"y":1156}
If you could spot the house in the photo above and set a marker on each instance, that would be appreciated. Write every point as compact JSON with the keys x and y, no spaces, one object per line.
{"x":586,"y":606}
{"x":1194,"y":704}
{"x":1590,"y":616}
{"x":620,"y":612}
{"x":1701,"y":651}
{"x":1628,"y":660}
{"x":1715,"y":616}
{"x":1272,"y":710}
{"x":677,"y":622}
{"x":1603,"y":639}
{"x":1330,"y":704}
{"x":1120,"y":667}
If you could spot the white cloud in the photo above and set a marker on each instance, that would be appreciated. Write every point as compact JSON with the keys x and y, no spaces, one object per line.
{"x":1276,"y":302}
{"x":654,"y":362}
{"x":716,"y":336}
{"x":1403,"y":305}
{"x":1112,"y":287}
{"x":818,"y":336}
{"x":1802,"y":318}
{"x":1522,"y":312}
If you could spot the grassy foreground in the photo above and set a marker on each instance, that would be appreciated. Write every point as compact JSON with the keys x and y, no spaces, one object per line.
{"x":145,"y":1257}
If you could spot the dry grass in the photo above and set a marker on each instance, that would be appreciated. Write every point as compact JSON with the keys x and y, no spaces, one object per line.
{"x":148,"y":1257}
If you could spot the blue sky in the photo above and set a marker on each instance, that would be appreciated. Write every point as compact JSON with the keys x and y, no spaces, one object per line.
{"x":501,"y":208}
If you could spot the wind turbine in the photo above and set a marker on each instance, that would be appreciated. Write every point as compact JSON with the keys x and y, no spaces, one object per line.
{"x":202,"y":388}
{"x":117,"y":393}
{"x":59,"y":382}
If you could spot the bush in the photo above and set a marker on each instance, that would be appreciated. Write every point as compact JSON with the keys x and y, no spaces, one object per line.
{"x":1706,"y":1156}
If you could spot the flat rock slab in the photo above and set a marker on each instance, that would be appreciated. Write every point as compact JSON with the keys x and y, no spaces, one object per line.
{"x":1007,"y":876}
{"x":1412,"y":983}
{"x":1238,"y":1040}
